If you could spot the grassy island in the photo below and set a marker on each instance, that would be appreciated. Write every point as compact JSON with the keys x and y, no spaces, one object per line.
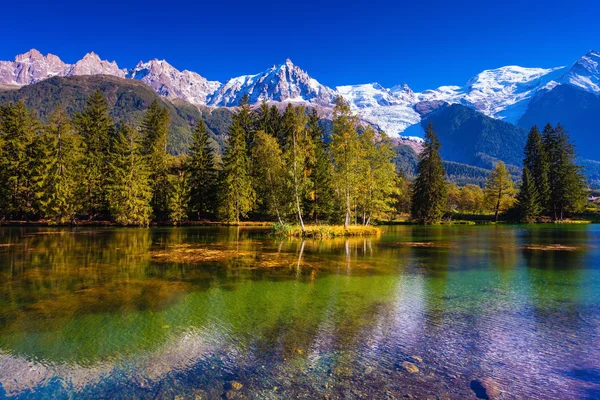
{"x":324,"y":231}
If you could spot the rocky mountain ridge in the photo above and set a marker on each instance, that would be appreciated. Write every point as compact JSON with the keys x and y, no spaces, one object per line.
{"x":503,"y":93}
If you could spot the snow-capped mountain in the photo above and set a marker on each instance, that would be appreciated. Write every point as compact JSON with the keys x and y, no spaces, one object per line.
{"x":503,"y":93}
{"x":585,"y":73}
{"x":285,"y":82}
{"x":171,"y":83}
{"x":391,"y":110}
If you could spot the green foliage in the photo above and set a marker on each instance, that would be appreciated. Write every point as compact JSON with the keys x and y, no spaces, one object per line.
{"x":154,"y":130}
{"x":377,"y":183}
{"x":97,"y":130}
{"x":566,"y":181}
{"x":201,"y":173}
{"x":179,"y":197}
{"x":18,"y":130}
{"x":127,"y":101}
{"x":129,"y":189}
{"x":269,"y":176}
{"x":430,"y":188}
{"x":60,"y":186}
{"x":528,"y":199}
{"x":237,"y":195}
{"x":321,"y":201}
{"x":344,"y":150}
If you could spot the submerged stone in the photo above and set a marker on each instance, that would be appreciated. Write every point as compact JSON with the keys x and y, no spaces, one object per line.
{"x":410,"y":367}
{"x":486,"y":388}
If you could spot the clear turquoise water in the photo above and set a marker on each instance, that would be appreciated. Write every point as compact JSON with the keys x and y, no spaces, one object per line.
{"x":103,"y":313}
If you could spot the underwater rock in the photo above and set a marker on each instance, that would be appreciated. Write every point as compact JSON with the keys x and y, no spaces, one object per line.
{"x":486,"y":388}
{"x":410,"y":367}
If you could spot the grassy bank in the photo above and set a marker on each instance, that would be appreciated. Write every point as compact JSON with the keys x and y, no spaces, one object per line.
{"x":324,"y":231}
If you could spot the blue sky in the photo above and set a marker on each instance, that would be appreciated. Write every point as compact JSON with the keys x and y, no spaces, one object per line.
{"x":425,"y":44}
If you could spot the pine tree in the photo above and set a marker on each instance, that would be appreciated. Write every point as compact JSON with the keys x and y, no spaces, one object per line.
{"x":129,"y":188}
{"x":155,"y":129}
{"x":430,"y":188}
{"x":97,"y":130}
{"x":499,"y":189}
{"x":246,"y":120}
{"x":566,"y":181}
{"x":201,"y":173}
{"x":536,"y":161}
{"x":528,"y":202}
{"x":179,"y":197}
{"x":237,"y":194}
{"x":321,"y":172}
{"x":62,"y":155}
{"x":18,"y":130}
{"x":344,"y":149}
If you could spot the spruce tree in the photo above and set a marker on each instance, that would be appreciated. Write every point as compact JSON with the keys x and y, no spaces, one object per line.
{"x":201,"y":173}
{"x":18,"y":130}
{"x":61,"y":187}
{"x":237,"y":195}
{"x":528,"y":201}
{"x":536,"y":161}
{"x":321,"y":172}
{"x":430,"y":188}
{"x":129,"y":188}
{"x":97,"y":130}
{"x":179,"y":197}
{"x":155,"y":129}
{"x":567,"y":183}
{"x":499,"y":190}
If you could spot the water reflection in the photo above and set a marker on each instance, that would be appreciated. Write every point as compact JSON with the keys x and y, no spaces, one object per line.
{"x":183,"y":312}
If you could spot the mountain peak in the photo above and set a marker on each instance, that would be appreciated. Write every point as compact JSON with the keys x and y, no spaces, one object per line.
{"x":91,"y":56}
{"x":32,"y":54}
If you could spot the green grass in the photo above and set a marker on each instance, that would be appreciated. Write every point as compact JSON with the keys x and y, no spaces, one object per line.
{"x":324,"y":231}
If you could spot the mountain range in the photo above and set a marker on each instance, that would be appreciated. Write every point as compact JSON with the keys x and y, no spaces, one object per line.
{"x":503,"y":93}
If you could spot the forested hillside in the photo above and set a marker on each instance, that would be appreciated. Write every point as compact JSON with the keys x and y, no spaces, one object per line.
{"x":127,"y":100}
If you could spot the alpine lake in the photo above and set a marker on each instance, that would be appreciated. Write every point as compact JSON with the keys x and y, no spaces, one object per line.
{"x":446,"y":312}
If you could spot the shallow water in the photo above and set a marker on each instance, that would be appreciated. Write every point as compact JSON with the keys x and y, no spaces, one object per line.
{"x":186,"y":312}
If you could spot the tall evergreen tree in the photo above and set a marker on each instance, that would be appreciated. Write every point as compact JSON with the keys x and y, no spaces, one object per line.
{"x":528,"y":202}
{"x":129,"y":188}
{"x":430,"y":188}
{"x":62,"y":155}
{"x":179,"y":197}
{"x":237,"y":194}
{"x":344,"y":149}
{"x":201,"y":173}
{"x":97,"y":130}
{"x":155,"y":130}
{"x":499,"y":189}
{"x":536,"y":161}
{"x":566,"y":181}
{"x":321,"y":171}
{"x":18,"y":130}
